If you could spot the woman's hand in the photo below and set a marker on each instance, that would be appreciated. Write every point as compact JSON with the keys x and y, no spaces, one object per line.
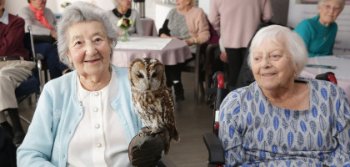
{"x":164,"y":36}
{"x":223,"y":57}
{"x":53,"y":34}
{"x":189,"y":42}
{"x":145,"y":149}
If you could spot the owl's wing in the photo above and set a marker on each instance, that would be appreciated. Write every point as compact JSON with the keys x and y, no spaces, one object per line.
{"x":169,"y":118}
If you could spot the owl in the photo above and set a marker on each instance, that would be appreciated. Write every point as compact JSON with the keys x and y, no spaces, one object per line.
{"x":152,"y":99}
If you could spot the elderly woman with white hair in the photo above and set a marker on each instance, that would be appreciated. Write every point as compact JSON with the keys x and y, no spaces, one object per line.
{"x":280,"y":119}
{"x":86,"y":118}
{"x":319,"y":32}
{"x":123,"y":10}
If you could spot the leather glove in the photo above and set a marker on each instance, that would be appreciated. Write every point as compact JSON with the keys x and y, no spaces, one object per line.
{"x":145,"y":149}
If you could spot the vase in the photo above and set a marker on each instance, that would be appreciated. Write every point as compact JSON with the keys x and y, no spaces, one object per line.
{"x":125,"y":35}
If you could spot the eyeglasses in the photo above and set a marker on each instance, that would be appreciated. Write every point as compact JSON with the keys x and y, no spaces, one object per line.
{"x":330,"y":7}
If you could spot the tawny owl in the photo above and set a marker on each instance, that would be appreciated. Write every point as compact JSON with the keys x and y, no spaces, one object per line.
{"x":152,"y":98}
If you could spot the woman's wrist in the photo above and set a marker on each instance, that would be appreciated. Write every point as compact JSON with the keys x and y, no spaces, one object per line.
{"x":194,"y":41}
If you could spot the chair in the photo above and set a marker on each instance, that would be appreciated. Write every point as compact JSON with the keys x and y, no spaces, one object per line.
{"x":30,"y":40}
{"x":327,"y":76}
{"x":196,"y":66}
{"x":215,"y":150}
{"x":33,"y":83}
{"x":212,"y":142}
{"x":201,"y":66}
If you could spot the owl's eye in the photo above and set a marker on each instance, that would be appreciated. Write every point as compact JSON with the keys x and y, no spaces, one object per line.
{"x":139,"y":75}
{"x":154,"y":75}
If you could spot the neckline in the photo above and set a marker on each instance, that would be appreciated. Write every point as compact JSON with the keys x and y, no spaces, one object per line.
{"x":308,"y":82}
{"x":83,"y":93}
{"x":120,"y":15}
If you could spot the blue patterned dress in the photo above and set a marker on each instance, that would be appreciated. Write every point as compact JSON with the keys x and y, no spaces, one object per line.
{"x":253,"y":132}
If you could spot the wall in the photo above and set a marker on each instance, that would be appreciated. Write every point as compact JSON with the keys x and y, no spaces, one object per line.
{"x":150,"y":8}
{"x":280,"y":10}
{"x":14,"y":6}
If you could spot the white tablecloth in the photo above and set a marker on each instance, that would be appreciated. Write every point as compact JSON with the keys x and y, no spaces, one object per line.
{"x":342,"y":71}
{"x":175,"y":51}
{"x":142,"y":43}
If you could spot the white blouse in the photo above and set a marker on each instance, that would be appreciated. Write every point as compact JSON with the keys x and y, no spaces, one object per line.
{"x":99,"y":139}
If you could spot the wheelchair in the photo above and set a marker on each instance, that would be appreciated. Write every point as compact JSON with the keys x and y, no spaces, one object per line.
{"x":33,"y":84}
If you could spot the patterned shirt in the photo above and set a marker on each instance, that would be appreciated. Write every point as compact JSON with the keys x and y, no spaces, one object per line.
{"x":253,"y":132}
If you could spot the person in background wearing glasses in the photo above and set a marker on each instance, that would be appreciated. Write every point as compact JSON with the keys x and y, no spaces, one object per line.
{"x":320,"y":31}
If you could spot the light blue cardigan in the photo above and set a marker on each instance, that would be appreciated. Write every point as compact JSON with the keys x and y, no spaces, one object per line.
{"x":58,"y":114}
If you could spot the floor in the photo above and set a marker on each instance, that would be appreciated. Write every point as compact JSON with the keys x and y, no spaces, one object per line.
{"x":192,"y":119}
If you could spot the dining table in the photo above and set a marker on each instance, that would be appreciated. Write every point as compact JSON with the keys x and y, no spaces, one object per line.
{"x":149,"y":27}
{"x":169,"y":51}
{"x":339,"y":65}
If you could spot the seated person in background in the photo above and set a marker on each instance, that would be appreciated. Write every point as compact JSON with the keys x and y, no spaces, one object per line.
{"x":123,"y":10}
{"x":189,"y":23}
{"x":280,"y":120}
{"x":42,"y":22}
{"x":86,"y":117}
{"x":319,"y":32}
{"x":13,"y":70}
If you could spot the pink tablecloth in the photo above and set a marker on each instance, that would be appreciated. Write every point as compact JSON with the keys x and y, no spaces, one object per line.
{"x":149,"y":28}
{"x":342,"y":71}
{"x":176,"y":51}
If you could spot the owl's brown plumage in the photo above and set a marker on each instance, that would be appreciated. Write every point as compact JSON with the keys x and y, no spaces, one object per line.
{"x":152,"y":99}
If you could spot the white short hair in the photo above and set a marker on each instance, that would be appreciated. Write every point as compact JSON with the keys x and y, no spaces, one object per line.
{"x":82,"y":12}
{"x":288,"y":38}
{"x":341,"y":2}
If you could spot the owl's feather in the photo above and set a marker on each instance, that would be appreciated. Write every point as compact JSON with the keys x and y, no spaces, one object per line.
{"x":152,"y":99}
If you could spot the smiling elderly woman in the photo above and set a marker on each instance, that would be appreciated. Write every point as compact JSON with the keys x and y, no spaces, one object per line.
{"x":320,"y":31}
{"x":84,"y":118}
{"x":281,"y":120}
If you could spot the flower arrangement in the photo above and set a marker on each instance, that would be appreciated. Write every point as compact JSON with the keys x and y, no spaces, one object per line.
{"x":124,"y":24}
{"x":65,"y":4}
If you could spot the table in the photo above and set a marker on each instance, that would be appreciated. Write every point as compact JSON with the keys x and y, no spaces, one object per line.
{"x":149,"y":27}
{"x":176,"y":51}
{"x":341,"y":72}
